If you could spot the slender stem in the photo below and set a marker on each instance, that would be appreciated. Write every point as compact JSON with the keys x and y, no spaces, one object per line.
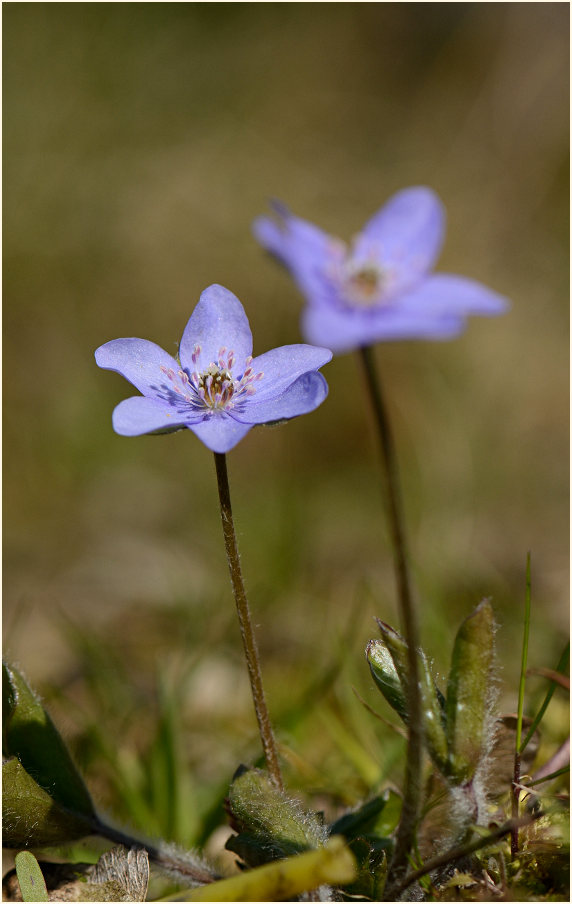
{"x":185,"y":864}
{"x":516,"y":778}
{"x":412,"y":789}
{"x":515,"y":798}
{"x":464,"y":850}
{"x":246,"y":628}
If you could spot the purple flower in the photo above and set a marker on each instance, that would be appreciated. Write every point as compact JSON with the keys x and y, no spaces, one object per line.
{"x":216,"y":388}
{"x":381,"y":286}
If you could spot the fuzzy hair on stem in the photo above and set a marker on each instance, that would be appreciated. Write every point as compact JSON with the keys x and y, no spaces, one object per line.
{"x":245,"y":621}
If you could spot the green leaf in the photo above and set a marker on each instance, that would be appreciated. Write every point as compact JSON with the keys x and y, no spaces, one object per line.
{"x":270,"y":825}
{"x":367,"y":829}
{"x":30,"y":735}
{"x":31,"y":817}
{"x":469,"y":692}
{"x":371,"y":858}
{"x":30,"y":877}
{"x":362,"y":820}
{"x":385,"y":675}
{"x":393,"y":682}
{"x":389,"y":817}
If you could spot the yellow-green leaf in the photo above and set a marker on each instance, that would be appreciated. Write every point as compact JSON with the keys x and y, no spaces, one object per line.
{"x":30,"y":877}
{"x":333,"y":864}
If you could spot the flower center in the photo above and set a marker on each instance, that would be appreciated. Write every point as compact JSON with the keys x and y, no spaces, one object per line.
{"x":357,"y":274}
{"x":215,"y":386}
{"x":214,"y":389}
{"x":363,"y":284}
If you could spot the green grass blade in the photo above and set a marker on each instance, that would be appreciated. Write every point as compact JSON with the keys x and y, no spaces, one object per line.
{"x":548,"y":778}
{"x":562,"y":663}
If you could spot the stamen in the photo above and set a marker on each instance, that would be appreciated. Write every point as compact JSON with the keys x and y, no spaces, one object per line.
{"x":214,"y":388}
{"x":361,"y":278}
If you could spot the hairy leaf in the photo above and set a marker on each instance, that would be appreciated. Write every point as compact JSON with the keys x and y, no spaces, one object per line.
{"x":31,"y":817}
{"x":270,"y":825}
{"x":30,"y":735}
{"x":469,"y":691}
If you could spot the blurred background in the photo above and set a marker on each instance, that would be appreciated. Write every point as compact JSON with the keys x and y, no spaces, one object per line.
{"x":140,"y":141}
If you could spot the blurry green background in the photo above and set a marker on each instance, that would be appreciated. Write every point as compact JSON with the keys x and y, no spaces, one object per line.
{"x":140,"y":141}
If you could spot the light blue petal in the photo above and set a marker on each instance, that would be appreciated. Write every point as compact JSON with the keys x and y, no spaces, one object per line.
{"x":446,"y":293}
{"x":303,"y":248}
{"x":290,"y":237}
{"x":219,"y":432}
{"x":139,"y":415}
{"x":301,"y":397}
{"x":282,"y":366}
{"x":407,"y":234}
{"x":140,"y":362}
{"x":345,"y":331}
{"x":218,"y":321}
{"x":272,"y":237}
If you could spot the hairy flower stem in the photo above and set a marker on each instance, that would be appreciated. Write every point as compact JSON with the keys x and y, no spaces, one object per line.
{"x":246,"y":629}
{"x":184,"y":864}
{"x":408,"y":614}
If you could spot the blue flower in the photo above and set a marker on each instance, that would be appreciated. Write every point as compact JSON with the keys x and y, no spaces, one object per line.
{"x":216,"y":388}
{"x":381,"y":286}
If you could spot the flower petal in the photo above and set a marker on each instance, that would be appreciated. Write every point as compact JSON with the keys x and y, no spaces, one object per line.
{"x":218,"y":321}
{"x":290,"y":237}
{"x":303,"y":396}
{"x":273,"y":237}
{"x":283,"y":365}
{"x":344,"y":331}
{"x":451,"y":294}
{"x":219,"y":432}
{"x":407,"y":233}
{"x":140,"y":362}
{"x":302,"y":247}
{"x":139,"y":415}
